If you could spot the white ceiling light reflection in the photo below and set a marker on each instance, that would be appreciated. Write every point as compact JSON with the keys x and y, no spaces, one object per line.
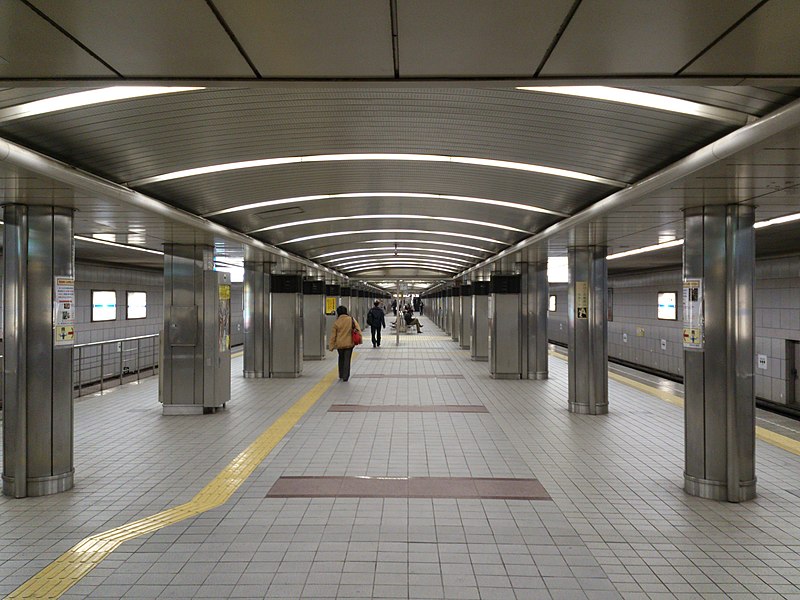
{"x":410,"y":195}
{"x":424,"y":266}
{"x":644,"y":249}
{"x":646,"y":100}
{"x":115,"y":244}
{"x":367,"y":217}
{"x":321,"y":158}
{"x":344,"y":234}
{"x":430,"y":242}
{"x":88,"y":98}
{"x":777,"y":221}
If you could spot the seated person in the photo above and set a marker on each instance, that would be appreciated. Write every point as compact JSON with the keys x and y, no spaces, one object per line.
{"x":410,"y":319}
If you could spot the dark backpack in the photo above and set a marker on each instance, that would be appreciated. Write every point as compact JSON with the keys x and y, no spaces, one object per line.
{"x":369,"y":318}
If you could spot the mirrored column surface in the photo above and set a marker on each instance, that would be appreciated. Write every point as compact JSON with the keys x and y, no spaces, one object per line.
{"x":195,"y":376}
{"x":455,"y":314}
{"x":286,"y":325}
{"x":718,"y":340}
{"x":534,"y":320}
{"x":505,"y":327}
{"x":314,"y":319}
{"x":479,"y":335}
{"x":256,"y":319}
{"x":588,"y":330}
{"x":39,"y":332}
{"x":465,"y":322}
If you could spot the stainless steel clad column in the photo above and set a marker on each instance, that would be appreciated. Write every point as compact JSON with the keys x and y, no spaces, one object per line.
{"x":448,"y":311}
{"x":286,"y":325}
{"x":465,"y":323}
{"x":505,"y":327}
{"x":39,"y":309}
{"x":345,"y":297}
{"x":314,"y":319}
{"x":332,"y":302}
{"x":479,"y":336}
{"x":455,"y":314}
{"x":195,"y":376}
{"x":718,"y":275}
{"x":534,"y":320}
{"x":588,"y":330}
{"x":256,"y":319}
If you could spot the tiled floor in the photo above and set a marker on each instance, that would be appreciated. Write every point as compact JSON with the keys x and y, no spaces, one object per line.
{"x":618,"y":525}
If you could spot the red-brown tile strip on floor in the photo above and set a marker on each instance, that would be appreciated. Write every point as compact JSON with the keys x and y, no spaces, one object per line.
{"x":408,"y":487}
{"x":406,"y":376}
{"x":425,"y":359}
{"x":460,"y":408}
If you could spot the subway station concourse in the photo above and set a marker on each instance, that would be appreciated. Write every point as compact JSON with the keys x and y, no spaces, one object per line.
{"x":592,"y":208}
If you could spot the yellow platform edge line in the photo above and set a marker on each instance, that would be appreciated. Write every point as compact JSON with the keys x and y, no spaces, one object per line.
{"x":68,"y":569}
{"x":765,"y":435}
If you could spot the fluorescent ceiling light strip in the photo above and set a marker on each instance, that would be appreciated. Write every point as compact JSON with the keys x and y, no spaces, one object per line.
{"x":646,"y":100}
{"x":777,"y":221}
{"x":652,"y":248}
{"x":343,"y":234}
{"x":431,"y":242}
{"x":318,"y":158}
{"x":302,"y":199}
{"x":360,"y":262}
{"x":397,"y":249}
{"x":424,"y":267}
{"x":365,"y":217}
{"x":115,"y":244}
{"x":397,"y":255}
{"x":87,"y":98}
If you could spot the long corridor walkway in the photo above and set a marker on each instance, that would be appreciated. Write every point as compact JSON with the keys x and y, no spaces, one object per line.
{"x":421,"y":477}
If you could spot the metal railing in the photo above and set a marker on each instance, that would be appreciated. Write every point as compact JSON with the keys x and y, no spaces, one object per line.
{"x":97,"y":366}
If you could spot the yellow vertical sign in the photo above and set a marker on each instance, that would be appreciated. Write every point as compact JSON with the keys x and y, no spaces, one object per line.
{"x":330,"y":306}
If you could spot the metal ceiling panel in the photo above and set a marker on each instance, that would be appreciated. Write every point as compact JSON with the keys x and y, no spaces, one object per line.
{"x":474,"y":38}
{"x":30,"y":47}
{"x":313,"y":38}
{"x":765,"y":44}
{"x":640,"y":37}
{"x":151,"y":38}
{"x":135,"y":139}
{"x":757,"y":101}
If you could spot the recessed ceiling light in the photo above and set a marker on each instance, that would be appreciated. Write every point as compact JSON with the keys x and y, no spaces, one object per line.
{"x":287,"y":160}
{"x":88,"y":98}
{"x":399,"y":254}
{"x":777,"y":221}
{"x":398,"y":249}
{"x":646,"y":100}
{"x":373,"y":216}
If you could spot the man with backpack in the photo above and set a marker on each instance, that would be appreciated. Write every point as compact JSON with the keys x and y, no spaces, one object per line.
{"x":376,"y":322}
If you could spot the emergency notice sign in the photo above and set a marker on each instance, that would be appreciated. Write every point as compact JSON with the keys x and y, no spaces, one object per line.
{"x":64,"y":310}
{"x":693,"y":336}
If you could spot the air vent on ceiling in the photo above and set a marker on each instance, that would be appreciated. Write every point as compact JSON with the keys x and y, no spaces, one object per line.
{"x":279,"y":212}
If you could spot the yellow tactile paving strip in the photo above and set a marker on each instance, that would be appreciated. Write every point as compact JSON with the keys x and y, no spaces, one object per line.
{"x":765,"y":435}
{"x":75,"y":563}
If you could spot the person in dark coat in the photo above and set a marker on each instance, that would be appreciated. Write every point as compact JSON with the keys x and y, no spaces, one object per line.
{"x":376,"y":321}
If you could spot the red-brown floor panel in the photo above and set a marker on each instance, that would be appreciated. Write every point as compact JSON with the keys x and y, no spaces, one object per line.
{"x":408,"y":487}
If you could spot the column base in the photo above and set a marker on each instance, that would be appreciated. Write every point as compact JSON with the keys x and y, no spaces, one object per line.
{"x":539,"y":375}
{"x":182,"y":409}
{"x":717,"y":490}
{"x":253,"y":374}
{"x":318,"y":357}
{"x":505,"y":375}
{"x":42,"y":486}
{"x":285,"y":375}
{"x":586,"y":409}
{"x":463,"y":347}
{"x":479,"y":358}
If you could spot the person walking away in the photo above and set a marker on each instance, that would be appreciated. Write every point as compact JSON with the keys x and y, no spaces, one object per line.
{"x":421,"y":306}
{"x":341,"y":339}
{"x":376,"y":322}
{"x":394,"y":307}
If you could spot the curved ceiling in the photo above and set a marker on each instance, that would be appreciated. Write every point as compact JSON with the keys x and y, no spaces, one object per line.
{"x":374,"y":179}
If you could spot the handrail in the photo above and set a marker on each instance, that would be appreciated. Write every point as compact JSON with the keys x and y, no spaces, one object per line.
{"x":100,"y":343}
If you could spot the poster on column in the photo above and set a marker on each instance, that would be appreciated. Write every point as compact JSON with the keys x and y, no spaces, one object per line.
{"x":64,"y":310}
{"x":582,"y":299}
{"x":693,"y":335}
